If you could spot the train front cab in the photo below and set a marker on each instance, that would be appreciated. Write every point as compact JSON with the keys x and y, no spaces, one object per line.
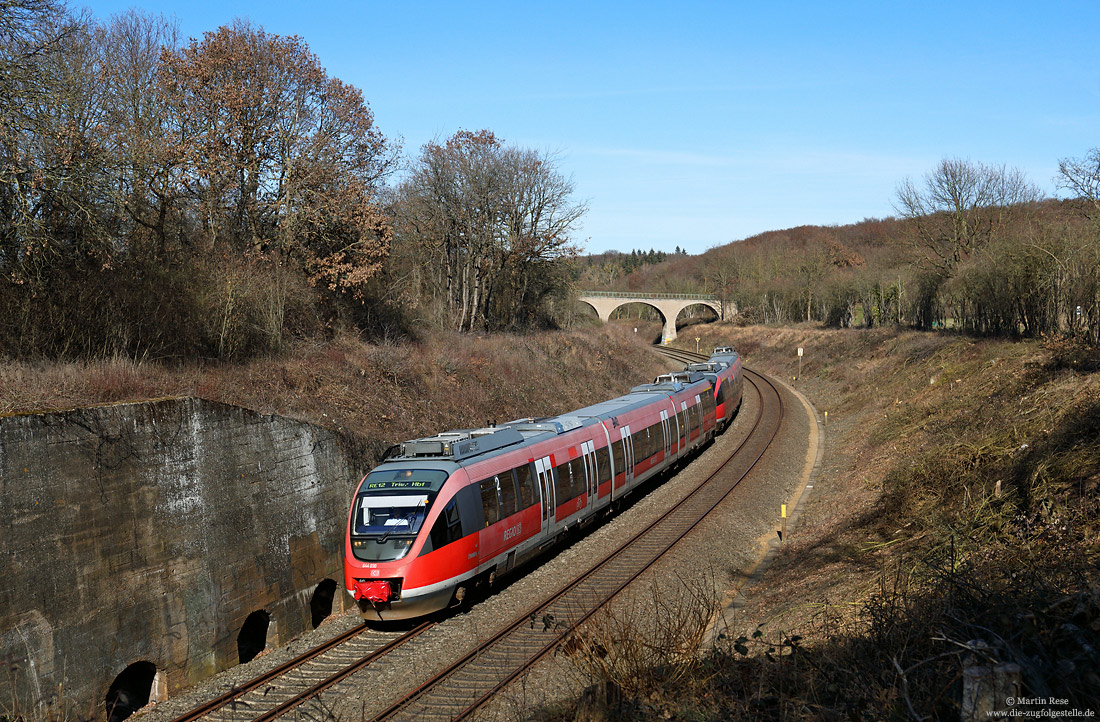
{"x":411,"y":529}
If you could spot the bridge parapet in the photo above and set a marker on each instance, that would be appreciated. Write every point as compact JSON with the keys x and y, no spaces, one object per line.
{"x":631,"y":295}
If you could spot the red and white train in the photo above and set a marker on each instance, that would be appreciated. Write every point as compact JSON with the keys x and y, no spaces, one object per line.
{"x":445,"y":512}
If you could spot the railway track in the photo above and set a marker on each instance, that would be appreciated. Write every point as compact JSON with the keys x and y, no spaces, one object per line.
{"x":679,"y":354}
{"x":298,"y":680}
{"x":471,"y":681}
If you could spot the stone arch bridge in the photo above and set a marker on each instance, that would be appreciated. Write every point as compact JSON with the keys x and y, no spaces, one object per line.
{"x":669,"y":305}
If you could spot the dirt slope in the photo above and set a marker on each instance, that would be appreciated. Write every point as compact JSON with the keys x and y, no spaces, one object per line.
{"x":957,"y":508}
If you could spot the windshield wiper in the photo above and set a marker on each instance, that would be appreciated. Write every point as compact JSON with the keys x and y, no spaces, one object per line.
{"x":407,"y":518}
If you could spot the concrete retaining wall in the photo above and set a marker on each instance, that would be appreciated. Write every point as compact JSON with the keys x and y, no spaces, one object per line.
{"x":149,"y":532}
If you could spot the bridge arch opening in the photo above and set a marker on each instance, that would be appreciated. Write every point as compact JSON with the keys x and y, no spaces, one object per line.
{"x":584,"y":310}
{"x":646,"y":317}
{"x":695,"y":313}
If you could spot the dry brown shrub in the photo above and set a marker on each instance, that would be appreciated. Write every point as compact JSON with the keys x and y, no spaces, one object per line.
{"x":649,"y":640}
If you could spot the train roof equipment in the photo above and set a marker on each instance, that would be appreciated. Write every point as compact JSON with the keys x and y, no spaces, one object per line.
{"x":666,"y":382}
{"x":457,"y":445}
{"x":531,"y":428}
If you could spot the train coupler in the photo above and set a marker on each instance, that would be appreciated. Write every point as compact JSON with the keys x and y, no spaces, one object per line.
{"x":376,"y":591}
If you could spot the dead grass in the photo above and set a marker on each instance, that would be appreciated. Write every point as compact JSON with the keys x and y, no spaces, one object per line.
{"x":377,"y":393}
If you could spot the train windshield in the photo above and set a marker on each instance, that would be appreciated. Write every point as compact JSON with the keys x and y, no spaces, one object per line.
{"x":389,"y":511}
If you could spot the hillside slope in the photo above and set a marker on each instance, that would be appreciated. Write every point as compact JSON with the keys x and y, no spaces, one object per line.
{"x":956,"y":522}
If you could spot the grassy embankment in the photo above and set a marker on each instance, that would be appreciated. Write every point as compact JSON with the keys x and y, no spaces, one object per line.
{"x":958,"y":504}
{"x":377,"y":393}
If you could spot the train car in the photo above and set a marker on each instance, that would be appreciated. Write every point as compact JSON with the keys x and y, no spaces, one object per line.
{"x":446,"y":512}
{"x":728,"y":390}
{"x":725,"y":376}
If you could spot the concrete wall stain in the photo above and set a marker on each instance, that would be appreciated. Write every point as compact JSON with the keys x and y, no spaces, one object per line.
{"x":150,"y":531}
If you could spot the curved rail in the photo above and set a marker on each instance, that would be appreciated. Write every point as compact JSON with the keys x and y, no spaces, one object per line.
{"x":679,"y":354}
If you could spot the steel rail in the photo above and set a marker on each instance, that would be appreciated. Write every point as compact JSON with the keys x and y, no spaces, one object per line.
{"x":240,"y":690}
{"x":343,"y":673}
{"x":679,"y":354}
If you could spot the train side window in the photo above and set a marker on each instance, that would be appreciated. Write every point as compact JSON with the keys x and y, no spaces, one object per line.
{"x":507,"y":484}
{"x":447,"y":527}
{"x":617,"y":451}
{"x":489,"y":502}
{"x":526,"y":481}
{"x":723,"y":389}
{"x":577,"y":467}
{"x":603,"y":465}
{"x":563,"y":483}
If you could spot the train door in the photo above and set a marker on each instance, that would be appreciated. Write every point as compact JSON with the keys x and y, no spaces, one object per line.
{"x":685,"y":427}
{"x":588,"y":453}
{"x":545,"y":472}
{"x":605,"y":470}
{"x":628,"y":454}
{"x":666,"y":430}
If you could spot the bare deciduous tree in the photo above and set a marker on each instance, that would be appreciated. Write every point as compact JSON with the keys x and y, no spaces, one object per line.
{"x":1081,"y":176}
{"x":961,"y":205}
{"x":493,"y":219}
{"x":135,"y":127}
{"x":277,"y":156}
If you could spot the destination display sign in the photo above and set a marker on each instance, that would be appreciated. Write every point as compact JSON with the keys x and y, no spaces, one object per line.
{"x":422,"y":480}
{"x":398,"y":484}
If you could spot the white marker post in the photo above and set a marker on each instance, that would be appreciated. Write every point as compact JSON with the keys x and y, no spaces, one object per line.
{"x":799,"y":362}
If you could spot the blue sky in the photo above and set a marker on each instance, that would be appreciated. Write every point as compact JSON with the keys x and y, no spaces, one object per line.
{"x":694,"y":124}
